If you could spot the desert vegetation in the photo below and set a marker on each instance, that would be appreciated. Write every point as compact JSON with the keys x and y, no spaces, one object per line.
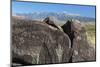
{"x":91,"y":33}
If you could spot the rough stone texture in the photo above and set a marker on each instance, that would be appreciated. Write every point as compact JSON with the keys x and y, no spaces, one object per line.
{"x":82,"y":51}
{"x":52,"y":21}
{"x":35,"y":39}
{"x":44,"y":42}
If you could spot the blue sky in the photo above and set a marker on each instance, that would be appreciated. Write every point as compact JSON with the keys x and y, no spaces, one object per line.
{"x":30,"y":7}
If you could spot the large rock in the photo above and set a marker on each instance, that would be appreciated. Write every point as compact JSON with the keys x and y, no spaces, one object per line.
{"x":52,"y":21}
{"x":82,"y":49}
{"x":35,"y":39}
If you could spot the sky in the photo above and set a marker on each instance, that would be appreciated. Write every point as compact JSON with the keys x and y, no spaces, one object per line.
{"x":30,"y":7}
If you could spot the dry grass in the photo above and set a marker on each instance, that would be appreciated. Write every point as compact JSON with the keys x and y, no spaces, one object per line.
{"x":90,"y":28}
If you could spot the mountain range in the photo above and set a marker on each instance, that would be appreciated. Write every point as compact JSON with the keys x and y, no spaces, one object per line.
{"x":59,"y":16}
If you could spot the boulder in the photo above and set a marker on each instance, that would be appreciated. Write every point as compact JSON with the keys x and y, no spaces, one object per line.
{"x":52,"y":21}
{"x":39,"y":40}
{"x":82,"y":51}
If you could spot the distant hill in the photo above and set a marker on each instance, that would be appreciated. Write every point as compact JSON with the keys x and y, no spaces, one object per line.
{"x":60,"y":16}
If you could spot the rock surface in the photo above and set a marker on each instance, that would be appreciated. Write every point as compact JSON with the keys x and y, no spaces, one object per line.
{"x":44,"y":42}
{"x":82,"y":51}
{"x":36,"y":39}
{"x":52,"y":21}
